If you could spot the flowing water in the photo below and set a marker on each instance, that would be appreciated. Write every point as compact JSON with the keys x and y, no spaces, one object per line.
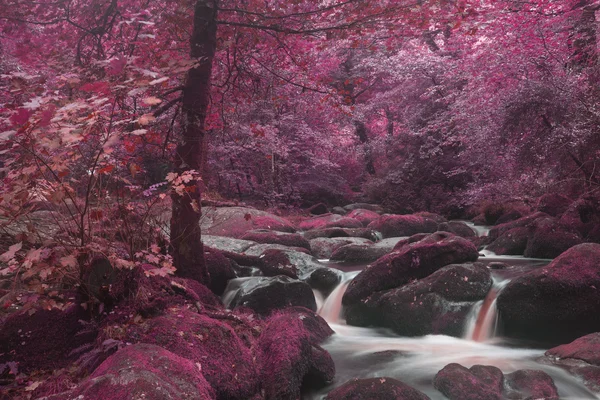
{"x":372,"y":352}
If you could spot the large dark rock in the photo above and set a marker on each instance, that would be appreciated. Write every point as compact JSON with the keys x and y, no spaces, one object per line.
{"x":582,"y":215}
{"x":324,"y":247}
{"x":391,"y":225}
{"x":485,"y":382}
{"x":480,"y":382}
{"x":226,"y":362}
{"x":275,"y":237}
{"x":376,"y":388}
{"x":553,"y":204}
{"x":581,"y":358}
{"x":219,"y":268}
{"x":550,"y":239}
{"x":143,"y":371}
{"x":329,"y":221}
{"x":288,"y":354}
{"x":512,"y":242}
{"x":414,"y":261}
{"x":39,"y":339}
{"x":437,"y":304}
{"x":458,"y":228}
{"x":318,"y":209}
{"x":556,"y":303}
{"x":498,"y":230}
{"x":236,"y":221}
{"x":364,"y":216}
{"x":265,"y":295}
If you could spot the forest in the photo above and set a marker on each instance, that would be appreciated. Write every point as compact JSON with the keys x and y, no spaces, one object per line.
{"x":299,"y":199}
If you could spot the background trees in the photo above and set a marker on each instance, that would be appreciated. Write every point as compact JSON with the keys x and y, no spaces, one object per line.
{"x":418,"y":105}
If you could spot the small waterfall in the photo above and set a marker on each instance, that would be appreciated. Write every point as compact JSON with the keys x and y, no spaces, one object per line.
{"x":482,"y":321}
{"x":331,"y":310}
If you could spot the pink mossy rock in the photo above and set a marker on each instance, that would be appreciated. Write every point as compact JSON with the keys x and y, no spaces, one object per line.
{"x":581,"y":358}
{"x":264,"y":295}
{"x":341,"y":232}
{"x":392,"y":225}
{"x":40,"y":339}
{"x":586,"y":348}
{"x":142,"y":371}
{"x":550,"y":238}
{"x":556,"y":303}
{"x":583,"y":214}
{"x":376,"y":388}
{"x":274,"y":237}
{"x":414,"y":261}
{"x":324,"y":247}
{"x":553,"y":204}
{"x":329,"y":221}
{"x":498,"y":230}
{"x":288,"y":355}
{"x":236,"y":221}
{"x":437,"y":304}
{"x":458,"y":228}
{"x":219,"y":268}
{"x":275,"y":262}
{"x":364,"y":216}
{"x":512,"y":242}
{"x":225,"y":360}
{"x":485,"y":382}
{"x":149,"y":295}
{"x":318,"y":209}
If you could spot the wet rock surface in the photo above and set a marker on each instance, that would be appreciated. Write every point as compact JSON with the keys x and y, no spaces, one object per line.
{"x":376,"y":388}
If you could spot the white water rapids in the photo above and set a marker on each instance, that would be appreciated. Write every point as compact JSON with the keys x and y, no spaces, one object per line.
{"x":372,"y":352}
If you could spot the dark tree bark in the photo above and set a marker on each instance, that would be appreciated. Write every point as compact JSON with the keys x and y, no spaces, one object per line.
{"x":186,"y":245}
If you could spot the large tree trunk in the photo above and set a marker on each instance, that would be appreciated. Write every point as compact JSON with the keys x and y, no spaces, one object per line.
{"x":186,"y":245}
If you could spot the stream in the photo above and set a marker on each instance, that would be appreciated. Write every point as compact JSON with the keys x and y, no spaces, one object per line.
{"x":374,"y":352}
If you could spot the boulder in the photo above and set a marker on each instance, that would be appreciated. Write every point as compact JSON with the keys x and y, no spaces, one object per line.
{"x":480,"y":382}
{"x":556,"y":303}
{"x":485,"y":382}
{"x":550,"y":239}
{"x":324,"y":247}
{"x":553,"y":204}
{"x":274,"y":237}
{"x":329,"y":221}
{"x":391,"y":225}
{"x":512,"y":242}
{"x":264,"y":295}
{"x":364,"y":216}
{"x":225,"y":361}
{"x":318,"y":209}
{"x":339,"y":210}
{"x":440,"y":219}
{"x":437,"y":304}
{"x":458,"y":228}
{"x":39,"y":339}
{"x":143,"y":371}
{"x":236,"y":221}
{"x":581,"y":358}
{"x":219,"y":268}
{"x":288,"y":354}
{"x":362,"y":253}
{"x":376,"y":388}
{"x":275,"y":262}
{"x":415,"y":261}
{"x":342,"y":232}
{"x":498,"y":230}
